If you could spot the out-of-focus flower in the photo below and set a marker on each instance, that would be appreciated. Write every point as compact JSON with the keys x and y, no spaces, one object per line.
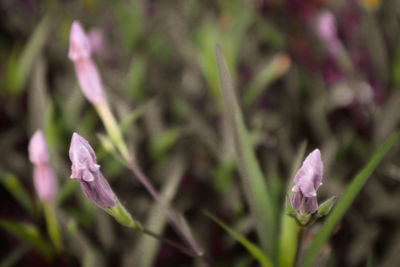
{"x":87,"y":171}
{"x":37,"y":148}
{"x":307,"y":180}
{"x":96,"y":41}
{"x":326,"y":30}
{"x":88,"y":76}
{"x":43,"y":176}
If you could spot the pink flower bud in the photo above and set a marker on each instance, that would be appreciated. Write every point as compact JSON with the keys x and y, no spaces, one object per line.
{"x":44,"y":182}
{"x":43,"y":176}
{"x":88,"y":75}
{"x":79,"y":46}
{"x":38,"y":149}
{"x":307,"y":180}
{"x":326,"y":30}
{"x":87,"y":171}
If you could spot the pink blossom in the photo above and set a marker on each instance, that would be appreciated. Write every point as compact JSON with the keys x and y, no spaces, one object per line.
{"x":307,"y":181}
{"x":87,"y":171}
{"x":326,"y":30}
{"x":43,"y":176}
{"x":88,"y":75}
{"x":38,"y":149}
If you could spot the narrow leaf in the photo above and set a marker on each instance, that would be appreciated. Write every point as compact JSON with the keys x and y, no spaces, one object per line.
{"x":14,"y":256}
{"x":343,"y":205}
{"x":288,"y":239}
{"x":253,"y":181}
{"x":13,"y":185}
{"x":254,"y":250}
{"x":29,"y":234}
{"x":271,"y":72}
{"x":18,"y":77}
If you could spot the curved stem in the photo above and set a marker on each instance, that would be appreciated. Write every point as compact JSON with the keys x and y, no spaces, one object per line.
{"x":177,"y":225}
{"x":170,"y":243}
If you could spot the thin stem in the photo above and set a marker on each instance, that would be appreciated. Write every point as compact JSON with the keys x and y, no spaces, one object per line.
{"x":170,"y":243}
{"x":177,"y":225}
{"x":299,"y":242}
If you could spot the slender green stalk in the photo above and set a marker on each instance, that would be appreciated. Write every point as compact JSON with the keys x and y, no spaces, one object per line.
{"x":116,"y":137}
{"x":112,"y":129}
{"x":52,"y":225}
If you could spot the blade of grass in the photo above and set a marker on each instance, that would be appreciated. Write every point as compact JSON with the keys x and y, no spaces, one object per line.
{"x":14,"y":256}
{"x":19,"y":75}
{"x":253,"y":181}
{"x":29,"y":234}
{"x":343,"y":205}
{"x":254,"y":250}
{"x":271,"y":72}
{"x":12,"y":184}
{"x":288,"y":239}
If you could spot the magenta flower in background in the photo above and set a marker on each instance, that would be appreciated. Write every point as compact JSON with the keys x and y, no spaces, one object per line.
{"x":307,"y":180}
{"x":327,"y":32}
{"x":88,"y":76}
{"x":43,"y":176}
{"x":95,"y":38}
{"x":87,"y":171}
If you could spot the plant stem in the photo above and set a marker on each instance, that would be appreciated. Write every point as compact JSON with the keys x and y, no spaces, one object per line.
{"x":299,"y":242}
{"x":52,"y":225}
{"x":116,"y":137}
{"x":170,"y":243}
{"x":177,"y":225}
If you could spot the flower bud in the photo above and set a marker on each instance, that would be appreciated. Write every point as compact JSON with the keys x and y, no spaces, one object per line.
{"x":87,"y":171}
{"x":326,"y":30}
{"x":43,"y":176}
{"x":79,"y":45}
{"x":88,"y":75}
{"x":307,"y":180}
{"x":37,"y":148}
{"x":44,"y":181}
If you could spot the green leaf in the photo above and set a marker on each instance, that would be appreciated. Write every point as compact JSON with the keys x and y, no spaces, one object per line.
{"x":20,"y":71}
{"x":28,"y":233}
{"x":349,"y":195}
{"x":13,"y":185}
{"x":288,"y":239}
{"x":12,"y":258}
{"x":67,"y":189}
{"x":52,"y":225}
{"x":271,"y":72}
{"x":253,"y":180}
{"x":254,"y":250}
{"x":126,"y":123}
{"x":326,"y":207}
{"x":163,"y":142}
{"x":135,"y":78}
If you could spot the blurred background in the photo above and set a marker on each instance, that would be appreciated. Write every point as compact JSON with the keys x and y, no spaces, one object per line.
{"x":319,"y":74}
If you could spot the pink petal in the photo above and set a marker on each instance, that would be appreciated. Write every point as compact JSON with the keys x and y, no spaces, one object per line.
{"x":37,"y":148}
{"x":79,"y":46}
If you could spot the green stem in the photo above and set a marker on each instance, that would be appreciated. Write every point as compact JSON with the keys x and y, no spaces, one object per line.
{"x":52,"y":225}
{"x":112,"y":129}
{"x":170,"y":243}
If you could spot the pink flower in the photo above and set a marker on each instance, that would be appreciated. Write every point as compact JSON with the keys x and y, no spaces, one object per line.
{"x":307,"y":180}
{"x":38,"y":149}
{"x":88,"y":75}
{"x":326,"y":30}
{"x":43,"y":176}
{"x":79,"y":45}
{"x":87,"y":171}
